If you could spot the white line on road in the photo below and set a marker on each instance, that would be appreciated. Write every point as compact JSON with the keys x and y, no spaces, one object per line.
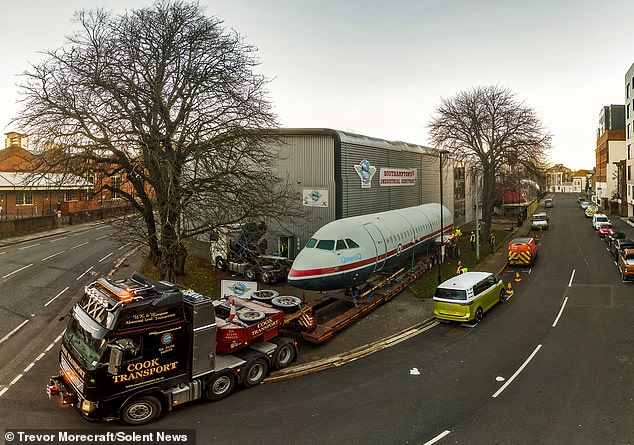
{"x":57,"y":239}
{"x":87,"y":270}
{"x":79,"y":245}
{"x":29,"y":246}
{"x":571,"y":278}
{"x":6,"y":337}
{"x":42,"y":354}
{"x":437,"y":438}
{"x":102,"y":237}
{"x":126,"y":244}
{"x":106,"y":257}
{"x":2,"y":253}
{"x":51,"y":300}
{"x":49,"y":347}
{"x":14,"y":381}
{"x":29,"y":367}
{"x":3,"y":391}
{"x":560,"y":312}
{"x":51,"y":256}
{"x":16,"y":271}
{"x":508,"y":382}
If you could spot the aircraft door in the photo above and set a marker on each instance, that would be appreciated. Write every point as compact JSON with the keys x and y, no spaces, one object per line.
{"x":380,"y":245}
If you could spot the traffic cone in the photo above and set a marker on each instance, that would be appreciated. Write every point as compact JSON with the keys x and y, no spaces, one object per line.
{"x":509,"y":290}
{"x":517,"y":277}
{"x":232,"y":314}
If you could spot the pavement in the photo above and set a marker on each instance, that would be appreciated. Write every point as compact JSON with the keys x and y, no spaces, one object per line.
{"x":400,"y":318}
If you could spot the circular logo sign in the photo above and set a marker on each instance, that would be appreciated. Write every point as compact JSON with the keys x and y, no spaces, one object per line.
{"x":166,"y":339}
{"x":239,"y":288}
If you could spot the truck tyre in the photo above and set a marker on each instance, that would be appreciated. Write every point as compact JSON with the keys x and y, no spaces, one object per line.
{"x":264,"y":296}
{"x":255,"y":371}
{"x":251,"y":274}
{"x":285,"y":353}
{"x":141,"y":411}
{"x":267,"y":278}
{"x":287,"y":303}
{"x":220,"y":386}
{"x":251,"y":316}
{"x":221,"y":264}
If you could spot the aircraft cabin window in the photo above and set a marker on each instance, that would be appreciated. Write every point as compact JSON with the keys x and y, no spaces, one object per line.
{"x":351,"y":244}
{"x":326,"y":244}
{"x":341,"y":245}
{"x":311,"y":242}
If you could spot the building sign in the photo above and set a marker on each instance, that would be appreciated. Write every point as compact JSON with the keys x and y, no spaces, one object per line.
{"x":365,"y":172}
{"x":315,"y":197}
{"x":397,"y":176}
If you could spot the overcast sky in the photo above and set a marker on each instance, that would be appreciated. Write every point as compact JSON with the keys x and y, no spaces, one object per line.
{"x":379,"y":68}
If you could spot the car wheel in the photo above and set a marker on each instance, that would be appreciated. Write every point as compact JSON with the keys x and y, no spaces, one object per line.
{"x":502,"y":296}
{"x":221,"y":264}
{"x":479,"y":315}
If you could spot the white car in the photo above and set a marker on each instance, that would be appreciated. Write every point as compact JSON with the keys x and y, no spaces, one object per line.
{"x":539,"y":221}
{"x":599,"y":218}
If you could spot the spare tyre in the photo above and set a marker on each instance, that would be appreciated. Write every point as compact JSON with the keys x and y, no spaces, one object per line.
{"x":264,"y":295}
{"x":251,"y":316}
{"x":287,"y":303}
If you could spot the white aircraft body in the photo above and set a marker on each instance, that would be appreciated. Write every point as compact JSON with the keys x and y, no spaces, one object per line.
{"x":346,"y":252}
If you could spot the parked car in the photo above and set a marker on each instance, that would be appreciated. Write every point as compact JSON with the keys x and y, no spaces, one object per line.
{"x":584,"y":204}
{"x":591,"y":210}
{"x":603,"y":228}
{"x":539,"y":221}
{"x":599,"y":218}
{"x":626,"y":264}
{"x":613,"y":236}
{"x":548,"y":203}
{"x":620,"y":244}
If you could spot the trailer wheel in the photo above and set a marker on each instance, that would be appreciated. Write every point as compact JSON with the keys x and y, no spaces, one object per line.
{"x":221,"y":264}
{"x":264,"y":296}
{"x":255,"y":371}
{"x":251,"y":274}
{"x":141,"y":411}
{"x":287,"y":303}
{"x":251,"y":316}
{"x":220,"y":386}
{"x":285,"y":354}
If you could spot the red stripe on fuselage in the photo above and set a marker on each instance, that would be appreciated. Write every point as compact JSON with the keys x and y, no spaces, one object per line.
{"x":294,"y":273}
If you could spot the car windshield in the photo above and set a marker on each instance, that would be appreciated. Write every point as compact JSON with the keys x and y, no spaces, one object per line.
{"x":450,"y":294}
{"x":601,"y":219}
{"x":539,"y":217}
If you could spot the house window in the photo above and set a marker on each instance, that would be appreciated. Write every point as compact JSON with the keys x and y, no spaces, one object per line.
{"x":629,"y":172}
{"x":24,"y":198}
{"x":115,"y":183}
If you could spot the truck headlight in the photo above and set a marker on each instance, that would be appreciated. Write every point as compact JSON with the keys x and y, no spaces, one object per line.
{"x":87,"y":406}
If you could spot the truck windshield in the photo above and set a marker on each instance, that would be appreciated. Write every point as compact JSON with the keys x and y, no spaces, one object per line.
{"x":89,"y":347}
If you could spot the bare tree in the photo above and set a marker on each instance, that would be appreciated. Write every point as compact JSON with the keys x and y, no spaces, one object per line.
{"x":490,"y":127}
{"x":167,"y":99}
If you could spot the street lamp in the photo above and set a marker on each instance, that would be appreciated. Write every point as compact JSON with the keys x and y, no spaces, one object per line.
{"x":442,"y":224}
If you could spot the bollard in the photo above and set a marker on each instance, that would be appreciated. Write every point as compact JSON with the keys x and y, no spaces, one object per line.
{"x":517,"y":277}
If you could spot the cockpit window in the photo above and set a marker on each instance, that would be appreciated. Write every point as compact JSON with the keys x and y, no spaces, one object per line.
{"x":351,"y":244}
{"x":311,"y":242}
{"x":341,"y":245}
{"x":326,"y":244}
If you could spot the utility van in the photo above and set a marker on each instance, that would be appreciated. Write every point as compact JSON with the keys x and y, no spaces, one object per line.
{"x":539,"y":221}
{"x":548,"y":203}
{"x":468,"y":296}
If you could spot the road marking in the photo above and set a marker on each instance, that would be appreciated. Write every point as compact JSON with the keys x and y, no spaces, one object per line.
{"x":106,"y":257}
{"x":508,"y":382}
{"x":6,"y":337}
{"x":51,"y":300}
{"x":126,"y":244}
{"x":571,"y":278}
{"x":29,"y":246}
{"x":79,"y":245}
{"x":560,"y":311}
{"x":49,"y":347}
{"x":29,"y":367}
{"x":57,"y":239}
{"x":79,"y":233}
{"x":102,"y":237}
{"x":3,"y":391}
{"x":16,"y":271}
{"x":2,"y":253}
{"x":87,"y":270}
{"x":42,"y":354}
{"x":14,"y":381}
{"x":437,"y":438}
{"x":51,"y":256}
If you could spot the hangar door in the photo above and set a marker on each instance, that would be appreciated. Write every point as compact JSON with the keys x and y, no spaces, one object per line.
{"x":379,"y":245}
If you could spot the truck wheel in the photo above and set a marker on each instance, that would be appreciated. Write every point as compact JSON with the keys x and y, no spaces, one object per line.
{"x":264,"y":296}
{"x":255,"y":371}
{"x":251,"y":316}
{"x":141,"y":411}
{"x":267,"y":278}
{"x":221,"y":264}
{"x":220,"y":386}
{"x":285,"y":354}
{"x":251,"y":274}
{"x":287,"y":303}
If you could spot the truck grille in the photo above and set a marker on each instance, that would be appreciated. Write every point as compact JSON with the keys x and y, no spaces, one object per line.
{"x":70,"y":375}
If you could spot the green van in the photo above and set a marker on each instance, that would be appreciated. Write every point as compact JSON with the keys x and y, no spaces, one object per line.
{"x":468,"y":296}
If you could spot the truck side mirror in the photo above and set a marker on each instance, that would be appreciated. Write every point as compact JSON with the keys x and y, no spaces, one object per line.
{"x":116,"y":358}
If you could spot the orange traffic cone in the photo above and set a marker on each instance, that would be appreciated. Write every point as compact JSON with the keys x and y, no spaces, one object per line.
{"x":232,"y":314}
{"x":517,"y":277}
{"x":509,"y":290}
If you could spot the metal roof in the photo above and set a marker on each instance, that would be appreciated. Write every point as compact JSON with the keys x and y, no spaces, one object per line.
{"x":43,"y":181}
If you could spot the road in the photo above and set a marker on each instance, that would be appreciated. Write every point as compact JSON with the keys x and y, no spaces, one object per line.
{"x":553,"y":365}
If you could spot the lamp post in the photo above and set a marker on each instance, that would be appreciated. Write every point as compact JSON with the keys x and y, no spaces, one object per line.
{"x":442,"y":224}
